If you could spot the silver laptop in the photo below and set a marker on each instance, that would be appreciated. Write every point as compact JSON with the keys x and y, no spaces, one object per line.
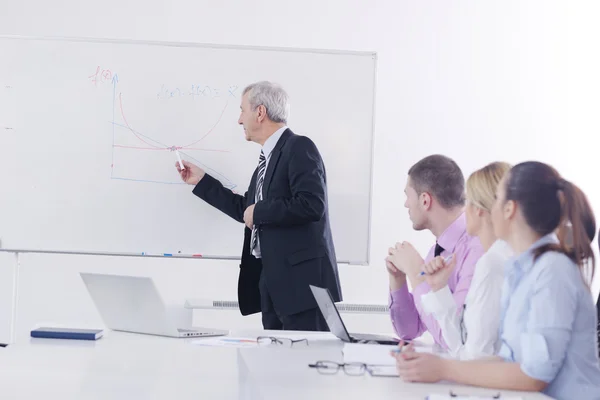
{"x":133,"y":304}
{"x":336,"y":325}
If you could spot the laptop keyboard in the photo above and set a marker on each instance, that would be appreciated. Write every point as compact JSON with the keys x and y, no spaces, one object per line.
{"x":374,"y":338}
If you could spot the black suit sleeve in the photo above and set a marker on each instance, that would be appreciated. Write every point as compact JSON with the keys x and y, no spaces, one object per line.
{"x":307,"y":185}
{"x":214,"y":193}
{"x":598,"y":321}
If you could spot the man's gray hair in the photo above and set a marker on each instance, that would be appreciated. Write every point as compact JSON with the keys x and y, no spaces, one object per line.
{"x":272,"y":96}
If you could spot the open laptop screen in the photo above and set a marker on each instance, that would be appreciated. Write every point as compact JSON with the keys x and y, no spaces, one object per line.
{"x":330,"y":313}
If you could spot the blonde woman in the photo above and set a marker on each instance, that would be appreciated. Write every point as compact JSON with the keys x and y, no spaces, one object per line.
{"x":472,"y":331}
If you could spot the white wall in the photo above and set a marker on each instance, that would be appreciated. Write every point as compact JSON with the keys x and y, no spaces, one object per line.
{"x":477,"y":81}
{"x":7,"y":268}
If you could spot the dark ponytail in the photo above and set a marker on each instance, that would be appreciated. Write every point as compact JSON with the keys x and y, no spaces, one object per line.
{"x":548,"y":202}
{"x":578,"y":228}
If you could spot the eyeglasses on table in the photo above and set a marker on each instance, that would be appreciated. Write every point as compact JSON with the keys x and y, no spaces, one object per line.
{"x":452,"y":394}
{"x":277,"y":341}
{"x":332,"y":368}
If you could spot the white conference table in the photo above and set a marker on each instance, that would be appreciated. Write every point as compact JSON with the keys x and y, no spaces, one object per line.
{"x":131,"y":366}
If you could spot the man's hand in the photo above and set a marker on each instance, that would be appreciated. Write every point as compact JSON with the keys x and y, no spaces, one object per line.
{"x":191,"y":174}
{"x":249,"y":216}
{"x":397,"y":277}
{"x":437,"y":272}
{"x":391,"y":268}
{"x":406,"y":258}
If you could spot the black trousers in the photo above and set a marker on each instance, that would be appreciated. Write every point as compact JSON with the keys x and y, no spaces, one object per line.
{"x":309,"y":320}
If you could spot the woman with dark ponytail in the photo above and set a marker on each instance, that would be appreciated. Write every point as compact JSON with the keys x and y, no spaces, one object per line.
{"x":548,"y":319}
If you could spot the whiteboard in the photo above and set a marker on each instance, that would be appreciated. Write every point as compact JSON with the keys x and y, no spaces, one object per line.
{"x":87,"y":129}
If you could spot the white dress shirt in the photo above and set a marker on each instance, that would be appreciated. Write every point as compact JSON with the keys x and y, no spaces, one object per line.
{"x":478,"y":322}
{"x":267,"y":149}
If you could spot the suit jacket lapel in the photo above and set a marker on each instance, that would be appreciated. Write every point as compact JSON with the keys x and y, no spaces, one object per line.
{"x":273,"y":161}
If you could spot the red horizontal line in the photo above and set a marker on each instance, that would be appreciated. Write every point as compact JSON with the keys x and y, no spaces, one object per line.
{"x":141,"y":148}
{"x":194,"y":148}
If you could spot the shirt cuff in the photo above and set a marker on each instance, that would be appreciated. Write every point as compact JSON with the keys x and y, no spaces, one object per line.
{"x":201,"y":187}
{"x":421,"y":289}
{"x":536,"y":361}
{"x":438,"y":303}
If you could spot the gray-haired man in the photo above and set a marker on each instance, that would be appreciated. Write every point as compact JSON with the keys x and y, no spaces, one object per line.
{"x":287,"y":242}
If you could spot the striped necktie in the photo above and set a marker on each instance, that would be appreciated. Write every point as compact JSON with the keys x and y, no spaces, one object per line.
{"x":260,"y":178}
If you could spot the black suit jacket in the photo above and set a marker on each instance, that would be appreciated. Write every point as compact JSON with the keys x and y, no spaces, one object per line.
{"x":293,"y":227}
{"x":598,"y":322}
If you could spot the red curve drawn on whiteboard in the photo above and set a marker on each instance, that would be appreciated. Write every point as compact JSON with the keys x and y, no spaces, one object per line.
{"x":132,"y":131}
{"x":189,"y":146}
{"x":210,"y":130}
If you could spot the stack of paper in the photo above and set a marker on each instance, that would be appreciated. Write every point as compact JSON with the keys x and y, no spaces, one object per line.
{"x":379,"y":354}
{"x":378,"y":357}
{"x":226,"y":341}
{"x":371,"y":354}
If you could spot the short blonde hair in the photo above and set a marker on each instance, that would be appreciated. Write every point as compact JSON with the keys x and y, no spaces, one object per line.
{"x":482,"y":184}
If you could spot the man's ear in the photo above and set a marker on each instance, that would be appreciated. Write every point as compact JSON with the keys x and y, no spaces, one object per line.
{"x":426,"y":200}
{"x":261,"y":113}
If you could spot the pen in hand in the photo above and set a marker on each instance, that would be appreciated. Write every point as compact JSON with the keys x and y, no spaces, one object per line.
{"x":403,"y":344}
{"x":446,"y":261}
{"x":179,"y":159}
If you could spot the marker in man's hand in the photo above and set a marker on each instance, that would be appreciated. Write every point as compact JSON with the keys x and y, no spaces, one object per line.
{"x":446,"y":261}
{"x":179,"y":159}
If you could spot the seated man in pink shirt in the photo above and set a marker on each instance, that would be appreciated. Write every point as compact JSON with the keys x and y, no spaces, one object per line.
{"x":435,"y":200}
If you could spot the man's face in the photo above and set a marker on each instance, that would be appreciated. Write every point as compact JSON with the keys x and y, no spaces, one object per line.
{"x":416,"y":207}
{"x":248,"y":119}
